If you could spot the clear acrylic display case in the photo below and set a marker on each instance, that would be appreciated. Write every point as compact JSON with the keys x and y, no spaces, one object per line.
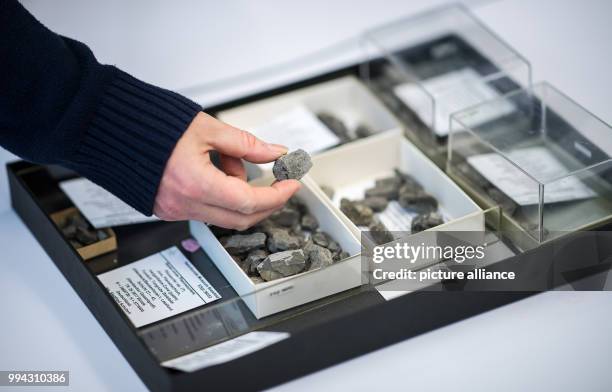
{"x":547,"y":162}
{"x":430,"y":65}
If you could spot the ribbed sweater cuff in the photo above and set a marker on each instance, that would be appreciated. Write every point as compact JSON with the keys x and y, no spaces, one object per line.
{"x":130,"y":138}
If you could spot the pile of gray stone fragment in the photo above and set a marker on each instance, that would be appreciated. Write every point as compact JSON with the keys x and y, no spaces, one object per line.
{"x":400,"y":187}
{"x":343,"y":133}
{"x":287,"y":243}
{"x":80,"y":233}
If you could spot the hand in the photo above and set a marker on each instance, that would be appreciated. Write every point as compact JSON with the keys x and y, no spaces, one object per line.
{"x":193,"y":188}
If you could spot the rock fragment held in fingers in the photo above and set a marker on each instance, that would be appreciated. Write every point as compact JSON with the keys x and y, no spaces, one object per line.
{"x":292,"y":166}
{"x":242,"y":243}
{"x":282,"y":264}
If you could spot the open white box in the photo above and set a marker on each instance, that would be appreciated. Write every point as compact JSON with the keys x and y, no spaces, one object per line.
{"x":350,"y":169}
{"x":267,"y":298}
{"x":347,"y":98}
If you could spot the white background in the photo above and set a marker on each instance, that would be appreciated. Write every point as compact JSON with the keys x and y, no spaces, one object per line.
{"x":553,"y":341}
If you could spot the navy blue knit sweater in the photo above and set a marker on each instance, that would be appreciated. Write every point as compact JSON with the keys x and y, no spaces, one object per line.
{"x":59,"y":105}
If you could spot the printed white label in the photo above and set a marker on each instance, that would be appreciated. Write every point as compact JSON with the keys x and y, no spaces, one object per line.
{"x":540,"y":163}
{"x":100,"y":207}
{"x":396,"y":218}
{"x":297,"y":128}
{"x":452,"y":91}
{"x":226,"y":351}
{"x":159,"y":286}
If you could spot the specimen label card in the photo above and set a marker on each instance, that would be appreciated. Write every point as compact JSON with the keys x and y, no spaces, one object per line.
{"x":100,"y":207}
{"x":226,"y":351}
{"x":297,"y":128}
{"x":452,"y":92}
{"x":540,"y":163}
{"x":159,"y":286}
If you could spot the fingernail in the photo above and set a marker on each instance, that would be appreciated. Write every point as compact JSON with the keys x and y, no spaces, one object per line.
{"x":278,"y":148}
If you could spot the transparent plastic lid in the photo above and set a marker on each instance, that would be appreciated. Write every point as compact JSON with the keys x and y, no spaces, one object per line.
{"x":428,"y":66}
{"x":545,"y":159}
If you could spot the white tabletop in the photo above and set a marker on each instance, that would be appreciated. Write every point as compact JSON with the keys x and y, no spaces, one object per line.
{"x":552,"y":341}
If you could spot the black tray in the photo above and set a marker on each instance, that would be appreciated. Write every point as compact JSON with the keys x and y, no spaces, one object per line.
{"x":342,"y":327}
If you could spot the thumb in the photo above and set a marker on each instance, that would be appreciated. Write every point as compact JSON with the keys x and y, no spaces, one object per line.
{"x":237,"y":143}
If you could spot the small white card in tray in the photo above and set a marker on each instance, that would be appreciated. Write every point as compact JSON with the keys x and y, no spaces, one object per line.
{"x":297,"y":128}
{"x":539,"y":162}
{"x":226,"y":351}
{"x":99,"y":206}
{"x":157,"y":287}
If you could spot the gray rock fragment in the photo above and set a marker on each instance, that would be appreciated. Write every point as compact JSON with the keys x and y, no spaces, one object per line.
{"x":407,"y":179}
{"x":297,"y":204}
{"x":242,"y":243}
{"x":376,"y":203}
{"x":280,"y":240}
{"x":253,"y":259}
{"x":256,"y":279}
{"x":379,"y":233}
{"x":343,"y":255}
{"x":334,"y":247}
{"x":85,"y":236}
{"x":102,"y":235}
{"x":78,"y":221}
{"x":292,"y":166}
{"x":388,"y":190}
{"x":318,"y":256}
{"x":321,"y":239}
{"x":357,"y":212}
{"x":336,"y":126}
{"x":286,"y":216}
{"x":387,"y":181}
{"x":426,"y":221}
{"x":69,"y":230}
{"x":363,"y":130}
{"x":309,"y":222}
{"x":282,"y":264}
{"x":417,"y":199}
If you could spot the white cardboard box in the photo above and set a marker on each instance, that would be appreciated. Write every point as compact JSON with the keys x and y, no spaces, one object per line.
{"x":267,"y":298}
{"x":346,"y":98}
{"x":352,"y":168}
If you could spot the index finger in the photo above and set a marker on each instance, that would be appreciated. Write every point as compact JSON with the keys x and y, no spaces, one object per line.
{"x":238,"y":195}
